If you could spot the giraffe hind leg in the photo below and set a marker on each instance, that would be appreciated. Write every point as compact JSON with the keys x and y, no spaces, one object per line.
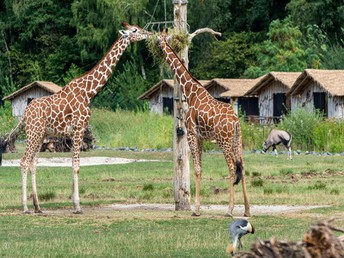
{"x":28,"y":162}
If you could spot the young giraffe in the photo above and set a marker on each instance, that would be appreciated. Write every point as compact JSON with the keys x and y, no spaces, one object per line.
{"x":208,"y":118}
{"x":67,"y":113}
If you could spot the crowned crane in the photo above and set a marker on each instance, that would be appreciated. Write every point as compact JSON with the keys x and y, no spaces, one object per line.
{"x":237,"y":229}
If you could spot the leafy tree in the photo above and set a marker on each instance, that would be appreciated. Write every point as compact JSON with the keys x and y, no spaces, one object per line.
{"x":228,"y":58}
{"x":282,"y":51}
{"x":122,"y":90}
{"x":328,"y":15}
{"x":39,"y":40}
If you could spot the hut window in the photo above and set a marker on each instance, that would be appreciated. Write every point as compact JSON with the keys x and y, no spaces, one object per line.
{"x":29,"y":100}
{"x":167,"y":105}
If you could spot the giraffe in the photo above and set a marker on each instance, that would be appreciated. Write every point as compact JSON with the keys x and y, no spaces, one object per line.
{"x":208,"y":119}
{"x":67,"y":113}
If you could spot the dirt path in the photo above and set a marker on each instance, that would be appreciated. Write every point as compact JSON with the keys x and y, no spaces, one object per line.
{"x":67,"y":162}
{"x":256,"y":210}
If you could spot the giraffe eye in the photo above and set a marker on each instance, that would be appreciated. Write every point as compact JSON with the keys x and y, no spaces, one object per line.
{"x":135,"y":30}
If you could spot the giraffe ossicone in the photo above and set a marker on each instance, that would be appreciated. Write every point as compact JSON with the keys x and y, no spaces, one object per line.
{"x":67,"y":113}
{"x":207,"y":119}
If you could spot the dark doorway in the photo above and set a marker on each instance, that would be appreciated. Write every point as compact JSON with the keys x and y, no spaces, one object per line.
{"x":279,"y":104}
{"x":320,"y":102}
{"x":167,"y":105}
{"x":249,"y":106}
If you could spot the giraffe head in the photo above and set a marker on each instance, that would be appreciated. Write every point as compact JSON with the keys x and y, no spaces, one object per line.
{"x":164,"y":36}
{"x":133,"y":32}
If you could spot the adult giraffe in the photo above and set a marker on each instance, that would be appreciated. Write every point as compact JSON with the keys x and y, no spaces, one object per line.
{"x":206,"y":119}
{"x":67,"y":113}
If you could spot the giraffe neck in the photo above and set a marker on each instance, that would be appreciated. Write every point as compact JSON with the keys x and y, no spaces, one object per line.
{"x":94,"y":80}
{"x":189,"y":86}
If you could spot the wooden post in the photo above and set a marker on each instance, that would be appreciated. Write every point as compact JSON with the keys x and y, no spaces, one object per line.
{"x":180,"y":145}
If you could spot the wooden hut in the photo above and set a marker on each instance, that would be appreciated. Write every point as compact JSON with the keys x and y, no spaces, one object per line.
{"x":234,"y":91}
{"x":322,"y":90}
{"x":22,"y":97}
{"x":160,"y":96}
{"x":271,"y":90}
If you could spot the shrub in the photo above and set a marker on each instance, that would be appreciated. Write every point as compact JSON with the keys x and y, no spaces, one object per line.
{"x":7,"y":121}
{"x":301,"y":123}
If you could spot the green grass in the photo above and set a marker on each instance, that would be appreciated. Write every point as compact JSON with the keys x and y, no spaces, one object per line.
{"x":306,"y":180}
{"x":131,"y":129}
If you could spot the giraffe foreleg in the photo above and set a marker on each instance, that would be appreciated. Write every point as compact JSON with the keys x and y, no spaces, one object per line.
{"x":77,"y":140}
{"x":25,"y":166}
{"x":196,"y":151}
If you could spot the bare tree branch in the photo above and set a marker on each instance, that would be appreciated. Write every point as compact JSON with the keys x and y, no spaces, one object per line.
{"x":203,"y":30}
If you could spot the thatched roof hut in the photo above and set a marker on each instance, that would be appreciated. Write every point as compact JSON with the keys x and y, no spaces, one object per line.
{"x":22,"y":97}
{"x":271,"y":90}
{"x":160,"y":96}
{"x":320,"y":89}
{"x":234,"y":91}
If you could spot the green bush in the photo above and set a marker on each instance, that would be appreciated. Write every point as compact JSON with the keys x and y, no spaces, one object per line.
{"x":6,"y":118}
{"x":329,"y":136}
{"x":301,"y":123}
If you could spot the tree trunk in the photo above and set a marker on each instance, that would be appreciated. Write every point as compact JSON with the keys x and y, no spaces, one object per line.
{"x":180,"y":144}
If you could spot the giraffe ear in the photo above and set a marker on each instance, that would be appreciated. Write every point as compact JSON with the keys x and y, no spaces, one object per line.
{"x":125,"y":24}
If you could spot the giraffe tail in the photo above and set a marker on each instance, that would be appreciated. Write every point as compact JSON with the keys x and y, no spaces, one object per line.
{"x":13,"y":135}
{"x":237,"y":153}
{"x":238,"y":172}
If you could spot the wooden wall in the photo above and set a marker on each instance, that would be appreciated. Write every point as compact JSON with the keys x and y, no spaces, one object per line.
{"x":335,"y":105}
{"x":19,"y":102}
{"x":156,"y":99}
{"x":266,"y":100}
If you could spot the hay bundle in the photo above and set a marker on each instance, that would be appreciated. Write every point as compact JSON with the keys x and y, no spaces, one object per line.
{"x":318,"y":242}
{"x":178,"y":41}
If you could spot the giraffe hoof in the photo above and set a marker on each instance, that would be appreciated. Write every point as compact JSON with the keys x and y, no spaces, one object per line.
{"x":27,"y":212}
{"x":229,"y":215}
{"x":196,"y":214}
{"x":38,"y":211}
{"x":78,"y":212}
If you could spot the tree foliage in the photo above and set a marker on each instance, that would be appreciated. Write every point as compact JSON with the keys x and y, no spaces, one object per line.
{"x":57,"y":40}
{"x":282,"y":51}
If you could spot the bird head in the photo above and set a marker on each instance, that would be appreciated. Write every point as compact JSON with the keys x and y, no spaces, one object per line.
{"x":237,"y":229}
